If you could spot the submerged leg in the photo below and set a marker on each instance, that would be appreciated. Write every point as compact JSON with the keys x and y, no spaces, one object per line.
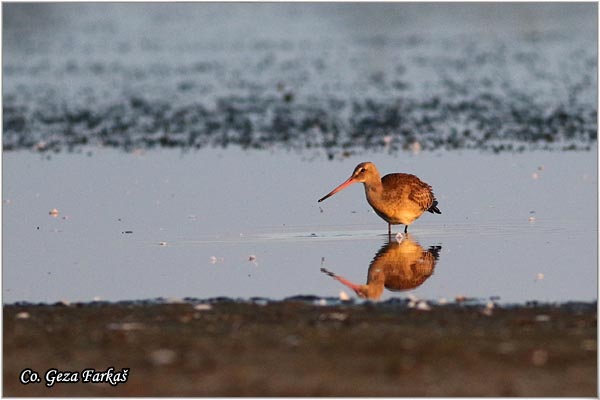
{"x":405,"y":228}
{"x":389,"y":230}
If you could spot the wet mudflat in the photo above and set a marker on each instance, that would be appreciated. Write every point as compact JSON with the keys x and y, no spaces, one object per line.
{"x":300,"y":348}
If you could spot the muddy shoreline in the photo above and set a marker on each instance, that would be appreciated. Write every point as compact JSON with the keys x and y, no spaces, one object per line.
{"x":299,"y":347}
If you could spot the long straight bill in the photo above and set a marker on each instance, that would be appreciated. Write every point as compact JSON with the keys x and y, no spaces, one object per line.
{"x":349,"y":182}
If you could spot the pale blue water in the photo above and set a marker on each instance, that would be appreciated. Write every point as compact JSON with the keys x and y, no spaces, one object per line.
{"x":282,"y":101}
{"x":197,"y":219}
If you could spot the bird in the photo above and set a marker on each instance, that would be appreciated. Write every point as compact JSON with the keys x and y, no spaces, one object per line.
{"x":398,"y":266}
{"x":397,"y":198}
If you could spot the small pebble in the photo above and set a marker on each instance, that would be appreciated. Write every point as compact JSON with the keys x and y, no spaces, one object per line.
{"x":214,"y":259}
{"x":125,"y":326}
{"x":337,"y":316}
{"x":344,"y":296}
{"x":162,"y":243}
{"x":22,"y":315}
{"x":54,"y":212}
{"x":542,"y":318}
{"x":202,"y":307}
{"x":412,"y":297}
{"x":539,"y":276}
{"x":488,"y":312}
{"x":163,"y":357}
{"x":489,"y":308}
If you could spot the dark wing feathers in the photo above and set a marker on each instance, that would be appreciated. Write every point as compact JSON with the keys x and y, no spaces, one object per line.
{"x":433,"y":209}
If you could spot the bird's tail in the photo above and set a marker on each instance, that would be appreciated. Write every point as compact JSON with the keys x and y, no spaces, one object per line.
{"x":433,"y":209}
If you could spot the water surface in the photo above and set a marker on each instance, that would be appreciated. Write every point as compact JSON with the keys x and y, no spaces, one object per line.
{"x":184,"y":147}
{"x":165,"y":224}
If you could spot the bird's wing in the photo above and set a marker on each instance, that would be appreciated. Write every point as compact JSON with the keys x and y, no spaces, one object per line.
{"x":417,"y":190}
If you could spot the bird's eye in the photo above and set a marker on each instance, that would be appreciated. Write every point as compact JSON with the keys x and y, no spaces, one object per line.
{"x":363,"y":169}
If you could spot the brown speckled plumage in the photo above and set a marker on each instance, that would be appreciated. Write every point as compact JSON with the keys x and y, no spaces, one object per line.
{"x":397,"y":198}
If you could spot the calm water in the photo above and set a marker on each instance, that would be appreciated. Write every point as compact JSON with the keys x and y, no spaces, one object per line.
{"x":185,"y":146}
{"x":247,"y":223}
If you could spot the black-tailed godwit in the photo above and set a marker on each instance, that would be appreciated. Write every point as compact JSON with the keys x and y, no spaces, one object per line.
{"x":397,"y":198}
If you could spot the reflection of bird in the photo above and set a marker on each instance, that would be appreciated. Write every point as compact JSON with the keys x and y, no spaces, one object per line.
{"x":400,"y":265}
{"x":397,"y":198}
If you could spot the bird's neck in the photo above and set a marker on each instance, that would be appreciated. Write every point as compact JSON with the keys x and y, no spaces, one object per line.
{"x":373,"y":189}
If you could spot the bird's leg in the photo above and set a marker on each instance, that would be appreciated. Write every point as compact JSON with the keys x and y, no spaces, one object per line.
{"x":405,"y":228}
{"x":389,"y":231}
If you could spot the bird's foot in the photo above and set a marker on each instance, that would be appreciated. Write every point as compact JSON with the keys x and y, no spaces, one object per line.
{"x":399,"y":237}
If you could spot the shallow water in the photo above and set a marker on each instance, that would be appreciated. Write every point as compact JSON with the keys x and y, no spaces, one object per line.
{"x":247,"y":223}
{"x":259,"y":99}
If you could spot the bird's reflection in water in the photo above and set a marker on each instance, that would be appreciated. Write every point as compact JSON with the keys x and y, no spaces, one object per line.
{"x":399,"y":265}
